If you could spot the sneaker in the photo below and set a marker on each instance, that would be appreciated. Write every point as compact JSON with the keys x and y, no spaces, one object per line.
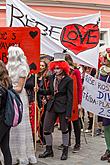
{"x":106,"y":155}
{"x":109,"y":160}
{"x":82,"y":130}
{"x":98,"y":132}
{"x":76,"y":148}
{"x":88,"y":131}
{"x":33,"y":160}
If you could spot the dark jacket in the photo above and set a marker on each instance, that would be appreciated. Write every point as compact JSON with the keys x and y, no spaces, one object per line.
{"x":3,"y":96}
{"x":61,"y":101}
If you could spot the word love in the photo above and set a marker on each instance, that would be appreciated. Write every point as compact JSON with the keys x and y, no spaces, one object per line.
{"x":78,"y":38}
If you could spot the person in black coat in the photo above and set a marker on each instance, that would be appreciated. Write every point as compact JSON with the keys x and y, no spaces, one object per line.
{"x":60,"y":90}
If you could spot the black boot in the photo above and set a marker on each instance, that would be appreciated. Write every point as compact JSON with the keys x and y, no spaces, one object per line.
{"x":64,"y":153}
{"x":47,"y":153}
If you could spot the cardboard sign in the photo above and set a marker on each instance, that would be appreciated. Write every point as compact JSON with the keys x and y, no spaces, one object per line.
{"x":28,"y":38}
{"x":96,"y":96}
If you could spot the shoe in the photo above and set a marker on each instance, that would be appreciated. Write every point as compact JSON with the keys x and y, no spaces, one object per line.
{"x":64,"y":153}
{"x":109,"y":160}
{"x":106,"y":155}
{"x":98,"y":132}
{"x":60,"y":147}
{"x":38,"y":141}
{"x":82,"y":130}
{"x":32,"y":160}
{"x":47,"y":153}
{"x":76,"y":148}
{"x":88,"y":131}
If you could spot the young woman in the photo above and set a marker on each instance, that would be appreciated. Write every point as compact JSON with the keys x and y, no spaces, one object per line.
{"x":42,"y":80}
{"x":21,"y":137}
{"x":5,"y":83}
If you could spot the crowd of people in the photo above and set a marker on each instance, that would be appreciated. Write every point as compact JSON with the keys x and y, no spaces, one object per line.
{"x":59,"y":96}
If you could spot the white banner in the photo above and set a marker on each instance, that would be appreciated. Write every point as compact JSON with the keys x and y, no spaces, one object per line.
{"x":79,"y":36}
{"x":96,"y":96}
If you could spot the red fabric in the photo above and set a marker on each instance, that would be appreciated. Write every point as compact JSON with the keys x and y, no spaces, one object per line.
{"x":100,"y":62}
{"x":77,"y":93}
{"x":79,"y":85}
{"x":32,"y":116}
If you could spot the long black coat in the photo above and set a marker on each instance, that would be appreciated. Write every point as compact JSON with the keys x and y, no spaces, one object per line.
{"x":61,"y":101}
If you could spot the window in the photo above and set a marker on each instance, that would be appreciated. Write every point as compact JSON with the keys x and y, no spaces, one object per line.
{"x":104,"y":36}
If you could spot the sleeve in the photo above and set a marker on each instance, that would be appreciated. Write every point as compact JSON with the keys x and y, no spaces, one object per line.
{"x":23,"y":72}
{"x":30,"y":82}
{"x":69,"y":98}
{"x":3,"y":96}
{"x":79,"y":85}
{"x":46,"y":91}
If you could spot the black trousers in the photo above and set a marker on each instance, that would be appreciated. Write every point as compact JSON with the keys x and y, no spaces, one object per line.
{"x":77,"y":131}
{"x":4,"y":143}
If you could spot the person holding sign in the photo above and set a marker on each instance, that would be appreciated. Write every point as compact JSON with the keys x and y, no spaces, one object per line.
{"x":104,"y":75}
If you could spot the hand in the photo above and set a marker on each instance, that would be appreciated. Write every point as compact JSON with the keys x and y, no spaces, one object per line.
{"x":67,"y":119}
{"x":79,"y":107}
{"x":36,"y":88}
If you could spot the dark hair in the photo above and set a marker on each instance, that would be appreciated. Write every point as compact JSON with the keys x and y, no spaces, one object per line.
{"x":46,"y":66}
{"x":69,"y":59}
{"x":4,"y":76}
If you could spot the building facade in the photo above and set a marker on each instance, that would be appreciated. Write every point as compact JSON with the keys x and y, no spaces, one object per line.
{"x":69,"y":8}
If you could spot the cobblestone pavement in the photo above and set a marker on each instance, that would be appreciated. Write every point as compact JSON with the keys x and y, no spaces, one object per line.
{"x":89,"y":154}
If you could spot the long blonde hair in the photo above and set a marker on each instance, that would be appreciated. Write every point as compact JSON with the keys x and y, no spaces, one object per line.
{"x":4,"y":77}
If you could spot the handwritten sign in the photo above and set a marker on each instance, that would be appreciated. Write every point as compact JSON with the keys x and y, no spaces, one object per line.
{"x":96,"y":96}
{"x":28,"y":38}
{"x":79,"y":36}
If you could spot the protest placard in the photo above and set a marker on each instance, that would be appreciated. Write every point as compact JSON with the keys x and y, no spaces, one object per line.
{"x":28,"y":38}
{"x":96,"y":96}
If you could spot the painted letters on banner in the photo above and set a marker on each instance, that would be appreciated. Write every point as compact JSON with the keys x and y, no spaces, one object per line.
{"x":78,"y":36}
{"x":28,"y":38}
{"x":96,"y":96}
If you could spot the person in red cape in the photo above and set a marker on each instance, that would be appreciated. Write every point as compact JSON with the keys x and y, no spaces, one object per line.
{"x":77,"y":99}
{"x":59,"y":105}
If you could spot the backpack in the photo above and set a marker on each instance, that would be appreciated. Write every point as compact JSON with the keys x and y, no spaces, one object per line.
{"x":13,"y":109}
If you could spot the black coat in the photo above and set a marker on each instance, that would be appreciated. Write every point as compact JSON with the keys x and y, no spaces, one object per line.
{"x":3,"y":97}
{"x":61,"y":101}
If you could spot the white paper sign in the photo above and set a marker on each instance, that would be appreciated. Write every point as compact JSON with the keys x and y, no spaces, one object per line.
{"x":96,"y":96}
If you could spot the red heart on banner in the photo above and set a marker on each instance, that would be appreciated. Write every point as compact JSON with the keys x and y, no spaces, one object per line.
{"x":78,"y":38}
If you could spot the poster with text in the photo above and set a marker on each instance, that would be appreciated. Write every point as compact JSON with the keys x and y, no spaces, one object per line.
{"x":96,"y":96}
{"x":28,"y":38}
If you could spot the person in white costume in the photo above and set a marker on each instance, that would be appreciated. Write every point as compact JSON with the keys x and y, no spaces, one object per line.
{"x":21,"y":141}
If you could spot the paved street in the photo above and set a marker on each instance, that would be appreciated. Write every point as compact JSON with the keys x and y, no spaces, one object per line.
{"x":88,"y":155}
